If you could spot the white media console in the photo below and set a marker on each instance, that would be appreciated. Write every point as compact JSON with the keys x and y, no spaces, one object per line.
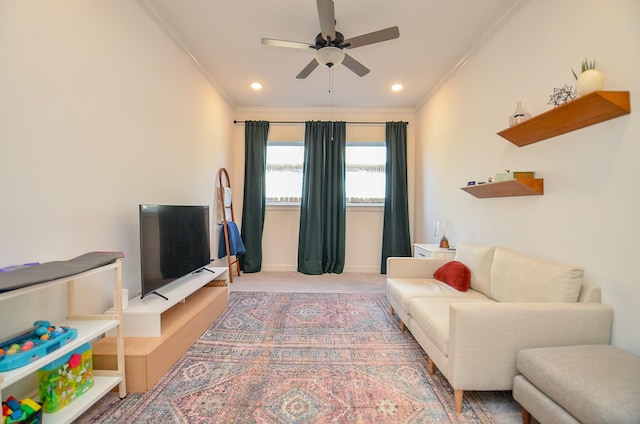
{"x":143,"y":316}
{"x":158,"y":331}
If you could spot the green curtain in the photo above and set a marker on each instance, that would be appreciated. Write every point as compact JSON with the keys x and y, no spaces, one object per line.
{"x":321,"y":241}
{"x":395,"y":229}
{"x":253,"y":204}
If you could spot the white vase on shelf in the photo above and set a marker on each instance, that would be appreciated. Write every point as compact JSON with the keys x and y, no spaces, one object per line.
{"x":588,"y":81}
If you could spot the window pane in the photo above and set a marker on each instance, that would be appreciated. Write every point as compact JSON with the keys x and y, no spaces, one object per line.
{"x":284,"y":172}
{"x":365,"y":181}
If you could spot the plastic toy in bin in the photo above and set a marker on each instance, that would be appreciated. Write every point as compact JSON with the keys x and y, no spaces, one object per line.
{"x":26,"y":411}
{"x":66,"y":378}
{"x":34,"y":343}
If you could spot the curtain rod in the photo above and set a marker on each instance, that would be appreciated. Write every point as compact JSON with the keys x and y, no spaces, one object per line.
{"x":304,"y":122}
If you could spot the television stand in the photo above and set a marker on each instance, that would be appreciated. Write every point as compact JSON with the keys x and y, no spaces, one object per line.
{"x":143,"y":316}
{"x":157,"y":332}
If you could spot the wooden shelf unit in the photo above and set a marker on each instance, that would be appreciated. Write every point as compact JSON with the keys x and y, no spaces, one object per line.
{"x":89,"y":327}
{"x":193,"y":305}
{"x":590,"y":109}
{"x":510,"y":188}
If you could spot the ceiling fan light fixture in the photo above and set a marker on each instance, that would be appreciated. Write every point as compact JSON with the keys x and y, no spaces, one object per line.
{"x":330,"y":56}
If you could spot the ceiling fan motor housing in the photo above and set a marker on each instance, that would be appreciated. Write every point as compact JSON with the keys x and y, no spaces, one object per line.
{"x":329,"y":51}
{"x":338,"y":42}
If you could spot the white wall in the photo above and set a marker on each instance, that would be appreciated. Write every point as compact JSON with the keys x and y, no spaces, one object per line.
{"x":364,"y":225}
{"x":588,"y":214}
{"x":99,"y":112}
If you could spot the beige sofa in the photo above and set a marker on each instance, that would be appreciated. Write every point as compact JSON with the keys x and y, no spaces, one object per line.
{"x":514,"y":302}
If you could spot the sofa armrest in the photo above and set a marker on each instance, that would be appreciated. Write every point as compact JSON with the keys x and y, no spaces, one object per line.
{"x":485,"y":338}
{"x":403,"y":267}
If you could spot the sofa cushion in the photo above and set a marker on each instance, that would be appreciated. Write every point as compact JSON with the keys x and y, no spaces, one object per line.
{"x":455,"y":274}
{"x":478,"y":259}
{"x":519,"y":278}
{"x":402,"y":290}
{"x":432,"y":316}
{"x":594,"y":383}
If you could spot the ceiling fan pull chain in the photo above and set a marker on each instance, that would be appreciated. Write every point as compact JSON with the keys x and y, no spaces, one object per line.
{"x":331,"y":91}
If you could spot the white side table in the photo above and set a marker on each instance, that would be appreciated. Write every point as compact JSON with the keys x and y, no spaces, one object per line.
{"x":432,"y":251}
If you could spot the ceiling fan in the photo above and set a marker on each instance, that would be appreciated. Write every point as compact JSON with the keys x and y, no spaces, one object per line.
{"x":330,"y":44}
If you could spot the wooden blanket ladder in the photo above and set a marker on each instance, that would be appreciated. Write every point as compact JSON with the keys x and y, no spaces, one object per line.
{"x":225,"y":215}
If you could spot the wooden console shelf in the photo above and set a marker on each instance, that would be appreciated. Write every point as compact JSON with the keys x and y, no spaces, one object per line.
{"x":590,"y":109}
{"x":148,"y":358}
{"x":511,"y":188}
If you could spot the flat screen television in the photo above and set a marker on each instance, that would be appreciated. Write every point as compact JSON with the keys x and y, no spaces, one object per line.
{"x":174,"y":242}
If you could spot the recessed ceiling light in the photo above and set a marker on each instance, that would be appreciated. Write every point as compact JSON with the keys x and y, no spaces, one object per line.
{"x":396,"y":87}
{"x":256,"y":85}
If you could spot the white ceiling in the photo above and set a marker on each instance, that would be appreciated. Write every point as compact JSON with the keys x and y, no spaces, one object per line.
{"x":224,"y":38}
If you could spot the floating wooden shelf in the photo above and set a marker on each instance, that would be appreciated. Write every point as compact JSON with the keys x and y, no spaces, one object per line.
{"x":511,"y":188}
{"x":590,"y":109}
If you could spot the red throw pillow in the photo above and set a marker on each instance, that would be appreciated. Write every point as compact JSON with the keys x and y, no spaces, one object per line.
{"x":455,"y":274}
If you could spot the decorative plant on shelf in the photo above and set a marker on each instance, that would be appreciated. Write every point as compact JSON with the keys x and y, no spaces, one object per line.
{"x":590,"y":79}
{"x":586,"y":65}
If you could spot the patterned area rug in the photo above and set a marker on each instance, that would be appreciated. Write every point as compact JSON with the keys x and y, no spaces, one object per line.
{"x":298,"y":358}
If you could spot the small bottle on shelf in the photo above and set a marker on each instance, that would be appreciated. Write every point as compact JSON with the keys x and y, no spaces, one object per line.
{"x":518,"y":116}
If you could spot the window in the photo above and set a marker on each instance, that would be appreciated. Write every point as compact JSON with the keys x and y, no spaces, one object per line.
{"x":365,"y":173}
{"x":365,"y":180}
{"x":284,"y":172}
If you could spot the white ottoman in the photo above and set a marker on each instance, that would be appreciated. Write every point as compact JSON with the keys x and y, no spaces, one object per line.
{"x":597,"y":384}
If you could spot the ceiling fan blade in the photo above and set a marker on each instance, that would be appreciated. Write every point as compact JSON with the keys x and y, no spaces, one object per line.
{"x":308,"y":69}
{"x":326,"y":12}
{"x":373,"y":37}
{"x":284,"y":43}
{"x":355,"y":66}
